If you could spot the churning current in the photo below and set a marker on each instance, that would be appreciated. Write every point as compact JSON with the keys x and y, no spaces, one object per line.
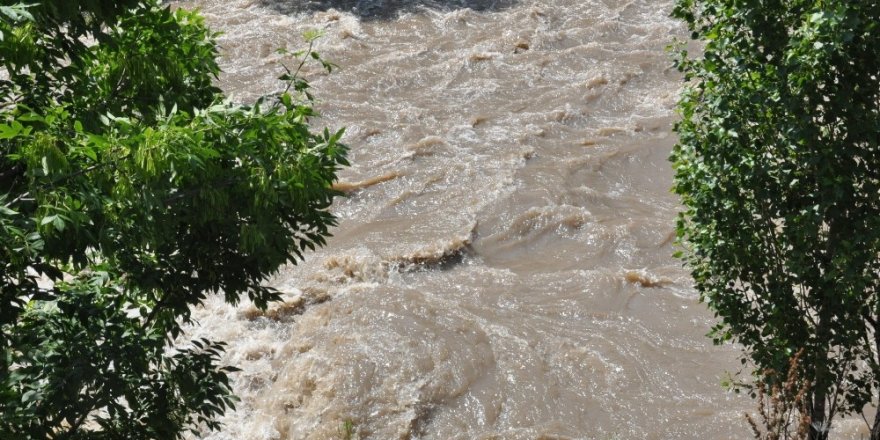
{"x":502,"y":266}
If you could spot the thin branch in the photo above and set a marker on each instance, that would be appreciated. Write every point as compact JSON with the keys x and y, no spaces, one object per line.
{"x":12,"y":102}
{"x":14,"y":170}
{"x":298,"y":68}
{"x":193,"y":191}
{"x":79,"y":173}
{"x":57,"y":180}
{"x":155,"y":311}
{"x":82,"y":418}
{"x":837,"y":393}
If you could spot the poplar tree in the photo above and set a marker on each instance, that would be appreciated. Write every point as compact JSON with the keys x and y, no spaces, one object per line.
{"x":778,"y":167}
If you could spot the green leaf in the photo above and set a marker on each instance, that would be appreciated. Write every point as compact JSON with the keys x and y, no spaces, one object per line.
{"x":48,"y":219}
{"x":29,"y":396}
{"x":16,"y":13}
{"x":58,"y":223}
{"x":90,"y":153}
{"x":311,"y":35}
{"x":10,"y":131}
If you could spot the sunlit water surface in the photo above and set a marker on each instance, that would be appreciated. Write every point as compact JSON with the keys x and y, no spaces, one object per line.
{"x":502,"y":266}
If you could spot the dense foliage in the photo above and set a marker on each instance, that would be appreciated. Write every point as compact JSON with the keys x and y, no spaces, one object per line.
{"x":778,"y":165}
{"x":129,"y":190}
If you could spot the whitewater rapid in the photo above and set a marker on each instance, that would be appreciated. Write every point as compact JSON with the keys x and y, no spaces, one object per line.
{"x":502,"y":266}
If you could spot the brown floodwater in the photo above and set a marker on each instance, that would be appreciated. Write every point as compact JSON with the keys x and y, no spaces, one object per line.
{"x":502,"y":266}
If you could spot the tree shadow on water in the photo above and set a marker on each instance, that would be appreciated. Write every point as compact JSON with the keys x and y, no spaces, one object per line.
{"x":383,"y":9}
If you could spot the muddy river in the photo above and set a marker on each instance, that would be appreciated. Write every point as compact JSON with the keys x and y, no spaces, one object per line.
{"x":501,"y":268}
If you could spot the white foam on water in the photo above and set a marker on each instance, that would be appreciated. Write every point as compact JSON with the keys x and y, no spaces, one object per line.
{"x":502,"y":268}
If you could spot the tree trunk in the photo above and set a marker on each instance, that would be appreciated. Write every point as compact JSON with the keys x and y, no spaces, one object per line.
{"x":875,"y":431}
{"x":818,"y":426}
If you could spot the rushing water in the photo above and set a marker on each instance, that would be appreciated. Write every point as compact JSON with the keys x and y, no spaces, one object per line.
{"x":502,"y":266}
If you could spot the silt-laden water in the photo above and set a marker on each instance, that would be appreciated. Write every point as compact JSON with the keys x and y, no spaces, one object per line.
{"x":502,"y":265}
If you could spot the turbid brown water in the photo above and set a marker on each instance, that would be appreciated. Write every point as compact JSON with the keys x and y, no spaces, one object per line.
{"x":502,"y":266}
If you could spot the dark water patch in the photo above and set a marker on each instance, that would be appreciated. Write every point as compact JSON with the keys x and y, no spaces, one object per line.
{"x":446,"y":260}
{"x":383,"y":9}
{"x":285,"y":311}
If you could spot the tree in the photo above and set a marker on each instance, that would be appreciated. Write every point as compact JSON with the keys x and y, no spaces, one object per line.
{"x":130,"y":189}
{"x":778,"y":167}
